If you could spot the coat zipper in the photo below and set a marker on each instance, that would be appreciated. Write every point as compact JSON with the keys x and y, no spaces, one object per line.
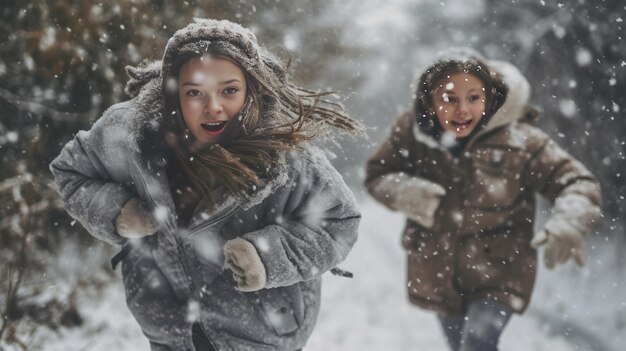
{"x":208,"y":337}
{"x":453,"y":226}
{"x":214,"y":220}
{"x":465,"y":167}
{"x":180,"y":249}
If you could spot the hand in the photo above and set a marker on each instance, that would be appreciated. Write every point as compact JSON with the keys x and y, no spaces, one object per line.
{"x":561,"y":246}
{"x":135,"y":220}
{"x":419,"y":199}
{"x":241,"y":257}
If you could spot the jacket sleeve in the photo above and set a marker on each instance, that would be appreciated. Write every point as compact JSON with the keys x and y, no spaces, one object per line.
{"x":84,"y":173}
{"x":389,"y":173}
{"x":566,"y":182}
{"x":316,"y":230}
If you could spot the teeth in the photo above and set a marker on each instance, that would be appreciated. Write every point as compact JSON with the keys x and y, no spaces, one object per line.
{"x":462,"y":122}
{"x":214,"y":127}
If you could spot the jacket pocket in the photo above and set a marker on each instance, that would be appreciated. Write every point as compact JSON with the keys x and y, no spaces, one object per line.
{"x":141,"y":274}
{"x":150,"y":297}
{"x":426,"y":272}
{"x":282,"y":308}
{"x":486,"y":260}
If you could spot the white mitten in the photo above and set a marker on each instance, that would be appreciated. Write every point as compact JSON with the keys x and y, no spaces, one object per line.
{"x":135,"y":220}
{"x":572,"y":217}
{"x":562,"y":245}
{"x":418,"y":198}
{"x":241,"y":257}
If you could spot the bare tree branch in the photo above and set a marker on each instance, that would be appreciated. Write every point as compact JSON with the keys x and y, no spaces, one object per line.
{"x":38,"y":109}
{"x":12,"y":182}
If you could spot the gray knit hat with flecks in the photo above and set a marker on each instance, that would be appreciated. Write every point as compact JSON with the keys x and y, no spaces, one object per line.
{"x":238,"y":41}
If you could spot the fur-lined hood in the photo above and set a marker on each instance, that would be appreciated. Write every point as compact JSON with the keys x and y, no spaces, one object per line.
{"x":513,"y":105}
{"x":516,"y":104}
{"x":284,"y":105}
{"x":516,"y":107}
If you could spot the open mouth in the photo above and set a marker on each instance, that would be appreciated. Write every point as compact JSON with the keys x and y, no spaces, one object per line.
{"x":214,"y":127}
{"x":459,"y":125}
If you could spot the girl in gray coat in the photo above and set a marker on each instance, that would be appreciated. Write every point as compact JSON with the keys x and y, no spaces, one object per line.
{"x":227,"y":217}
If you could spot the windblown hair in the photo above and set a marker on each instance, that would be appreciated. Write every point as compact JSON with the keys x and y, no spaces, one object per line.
{"x":276,"y":117}
{"x":430,"y":80}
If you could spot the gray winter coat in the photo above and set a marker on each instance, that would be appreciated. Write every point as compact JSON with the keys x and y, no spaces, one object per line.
{"x":302,"y":224}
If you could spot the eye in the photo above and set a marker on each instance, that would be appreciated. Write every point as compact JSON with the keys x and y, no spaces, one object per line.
{"x":193,"y":92}
{"x":230,"y":91}
{"x":450,"y":99}
{"x":473,"y":98}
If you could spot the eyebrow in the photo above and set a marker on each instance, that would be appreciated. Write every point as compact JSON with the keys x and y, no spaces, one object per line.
{"x":450,"y":92}
{"x":221,"y":83}
{"x":230,"y":81}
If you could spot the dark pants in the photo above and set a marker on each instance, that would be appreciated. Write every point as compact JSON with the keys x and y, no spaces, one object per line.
{"x":478,"y":328}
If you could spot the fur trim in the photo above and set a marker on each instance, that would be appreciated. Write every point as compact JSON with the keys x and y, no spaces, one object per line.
{"x":514,"y":106}
{"x":141,"y":75}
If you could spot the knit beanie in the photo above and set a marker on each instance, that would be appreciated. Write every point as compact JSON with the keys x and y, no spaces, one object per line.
{"x":238,"y":42}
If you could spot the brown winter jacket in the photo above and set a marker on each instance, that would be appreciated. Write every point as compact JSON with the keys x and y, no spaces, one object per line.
{"x":479,"y":245}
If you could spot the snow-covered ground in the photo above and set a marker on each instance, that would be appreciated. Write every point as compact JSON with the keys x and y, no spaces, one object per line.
{"x":371,"y":311}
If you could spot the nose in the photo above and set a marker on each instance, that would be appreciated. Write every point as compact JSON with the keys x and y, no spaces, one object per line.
{"x":212,"y":106}
{"x":462,"y":108}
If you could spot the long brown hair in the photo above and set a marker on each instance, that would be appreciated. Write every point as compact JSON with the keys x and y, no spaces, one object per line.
{"x":276,"y":117}
{"x":495,"y":90}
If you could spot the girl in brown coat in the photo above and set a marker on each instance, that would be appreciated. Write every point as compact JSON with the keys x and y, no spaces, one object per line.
{"x":464,"y":167}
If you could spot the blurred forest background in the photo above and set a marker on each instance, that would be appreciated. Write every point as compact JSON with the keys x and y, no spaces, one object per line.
{"x":62,"y":64}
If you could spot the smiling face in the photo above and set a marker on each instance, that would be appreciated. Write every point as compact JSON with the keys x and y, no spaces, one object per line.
{"x":211,"y":91}
{"x":459,"y":103}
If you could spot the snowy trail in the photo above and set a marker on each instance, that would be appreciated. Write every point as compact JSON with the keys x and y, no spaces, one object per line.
{"x":369,"y":312}
{"x":577,"y":334}
{"x":372,"y":312}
